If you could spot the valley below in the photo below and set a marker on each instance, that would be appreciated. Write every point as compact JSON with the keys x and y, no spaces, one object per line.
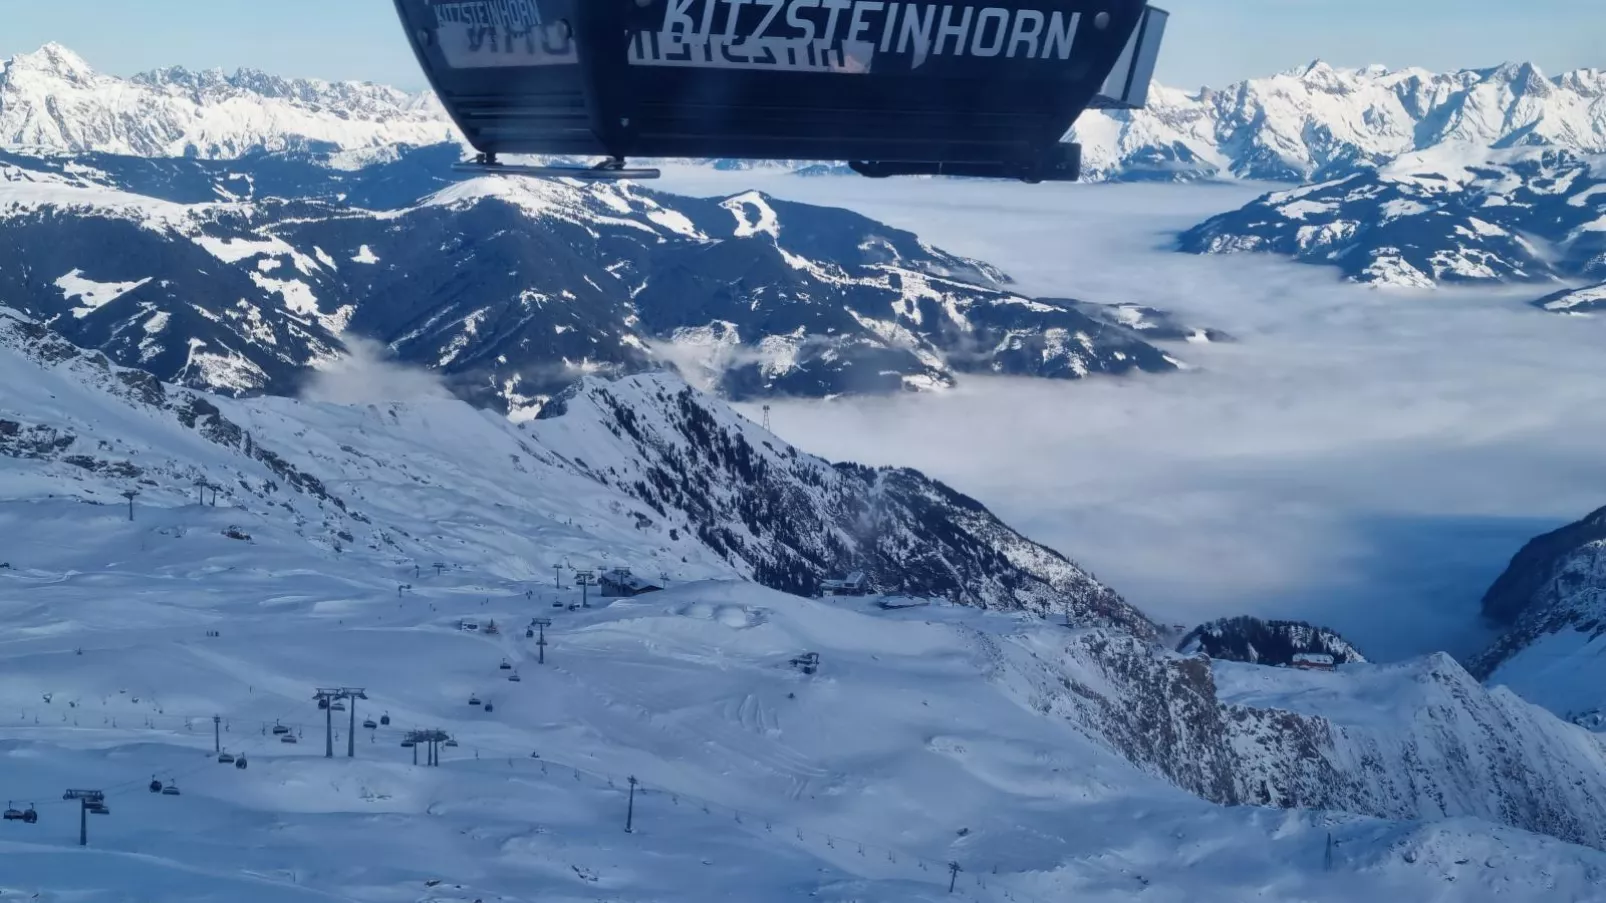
{"x":1363,"y":457}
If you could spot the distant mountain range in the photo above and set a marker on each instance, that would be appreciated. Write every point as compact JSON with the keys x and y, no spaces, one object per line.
{"x":240,"y":276}
{"x":1315,"y":122}
{"x":1451,"y":215}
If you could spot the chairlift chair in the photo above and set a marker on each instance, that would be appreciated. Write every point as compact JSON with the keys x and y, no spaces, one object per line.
{"x":338,"y":707}
{"x":13,"y":813}
{"x":99,"y":809}
{"x":280,"y":729}
{"x":288,"y":738}
{"x":370,"y":724}
{"x":408,"y":743}
{"x":505,"y":666}
{"x":225,"y":759}
{"x":451,"y":743}
{"x":514,"y":677}
{"x":170,"y":790}
{"x":473,"y":700}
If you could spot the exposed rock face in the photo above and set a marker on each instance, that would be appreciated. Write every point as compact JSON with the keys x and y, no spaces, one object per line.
{"x":1260,"y":642}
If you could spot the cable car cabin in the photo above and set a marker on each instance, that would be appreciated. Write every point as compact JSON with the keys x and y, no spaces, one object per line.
{"x":385,"y":719}
{"x":156,"y":786}
{"x":241,"y":763}
{"x":891,"y":88}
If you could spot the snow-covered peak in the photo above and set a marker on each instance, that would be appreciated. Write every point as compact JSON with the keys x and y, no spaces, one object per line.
{"x":1320,"y":121}
{"x":52,"y":60}
{"x":53,"y":99}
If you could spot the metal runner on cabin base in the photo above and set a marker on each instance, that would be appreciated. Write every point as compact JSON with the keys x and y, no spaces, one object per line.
{"x":890,"y":87}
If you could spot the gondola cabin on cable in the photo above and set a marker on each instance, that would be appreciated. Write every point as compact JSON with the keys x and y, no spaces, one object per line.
{"x":890,"y":88}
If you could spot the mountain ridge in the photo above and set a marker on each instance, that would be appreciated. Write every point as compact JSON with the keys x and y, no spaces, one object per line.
{"x":1312,"y":122}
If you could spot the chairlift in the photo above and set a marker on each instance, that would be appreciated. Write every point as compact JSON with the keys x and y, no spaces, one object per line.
{"x":13,"y":813}
{"x":505,"y":666}
{"x":680,"y":78}
{"x":451,"y":743}
{"x":385,"y":719}
{"x":240,"y":763}
{"x":473,"y":700}
{"x":225,"y":759}
{"x":170,"y":790}
{"x":514,"y":677}
{"x":99,"y":809}
{"x":338,"y":707}
{"x":408,"y":743}
{"x":288,"y":738}
{"x":280,"y":729}
{"x":370,"y":724}
{"x":558,"y":604}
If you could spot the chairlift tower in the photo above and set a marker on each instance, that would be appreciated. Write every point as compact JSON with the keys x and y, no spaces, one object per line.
{"x":88,"y":801}
{"x":767,"y":419}
{"x":352,"y":694}
{"x":432,"y":754}
{"x":541,"y":624}
{"x":585,"y":580}
{"x":130,"y":494}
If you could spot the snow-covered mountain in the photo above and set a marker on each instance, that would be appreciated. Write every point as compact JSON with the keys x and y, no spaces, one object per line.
{"x":1261,"y":642}
{"x":306,"y":567}
{"x":1464,"y":215}
{"x":681,"y":469}
{"x":240,"y":276}
{"x":53,"y":100}
{"x":1583,"y":300}
{"x":1315,"y":122}
{"x":1320,"y":123}
{"x":1552,"y":601}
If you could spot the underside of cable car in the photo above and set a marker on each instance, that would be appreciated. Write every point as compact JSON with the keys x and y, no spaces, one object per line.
{"x":888,"y":87}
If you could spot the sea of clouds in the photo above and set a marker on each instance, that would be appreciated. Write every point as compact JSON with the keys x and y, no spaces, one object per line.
{"x":1369,"y":459}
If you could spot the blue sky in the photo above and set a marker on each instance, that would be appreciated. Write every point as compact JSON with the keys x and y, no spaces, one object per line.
{"x":1211,"y":42}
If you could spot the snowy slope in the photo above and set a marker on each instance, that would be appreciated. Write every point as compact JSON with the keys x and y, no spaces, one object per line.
{"x":1042,"y":740}
{"x":1575,"y":300}
{"x":514,"y":288}
{"x":788,"y":517}
{"x":1550,"y":600}
{"x":1450,"y":215}
{"x":52,"y":99}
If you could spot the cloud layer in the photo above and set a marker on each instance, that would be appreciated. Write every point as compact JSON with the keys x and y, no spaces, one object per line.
{"x":1369,"y":459}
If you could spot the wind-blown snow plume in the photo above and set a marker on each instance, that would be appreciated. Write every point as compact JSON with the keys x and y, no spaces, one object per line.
{"x":366,"y":374}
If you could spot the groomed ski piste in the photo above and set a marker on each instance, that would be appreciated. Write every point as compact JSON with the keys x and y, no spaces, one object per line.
{"x":920,"y":741}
